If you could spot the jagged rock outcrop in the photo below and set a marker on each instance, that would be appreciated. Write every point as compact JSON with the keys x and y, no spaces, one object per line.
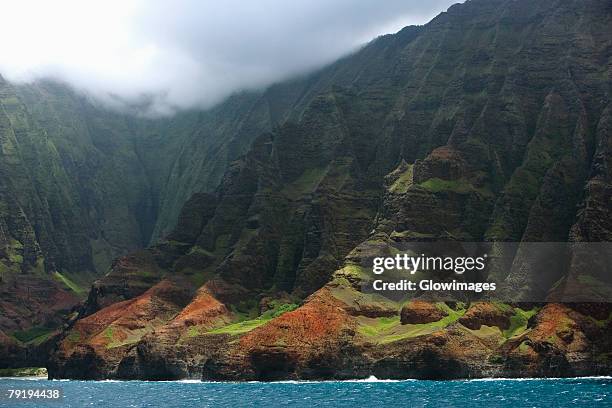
{"x":487,"y":314}
{"x":421,"y":312}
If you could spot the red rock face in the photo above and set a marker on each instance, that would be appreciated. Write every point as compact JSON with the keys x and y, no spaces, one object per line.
{"x":107,"y":334}
{"x":319,"y":321}
{"x":487,"y":314}
{"x":305,"y":343}
{"x":418,"y":312}
{"x":558,"y":342}
{"x":203,"y":310}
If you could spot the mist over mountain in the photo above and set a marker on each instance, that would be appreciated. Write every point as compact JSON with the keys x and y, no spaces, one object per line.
{"x":157,"y":57}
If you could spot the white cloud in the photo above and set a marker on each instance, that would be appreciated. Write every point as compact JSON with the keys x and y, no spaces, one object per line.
{"x":188,"y":53}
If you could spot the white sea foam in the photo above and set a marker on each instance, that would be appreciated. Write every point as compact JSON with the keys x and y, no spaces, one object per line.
{"x":373,"y":378}
{"x":601,"y":377}
{"x":370,"y":379}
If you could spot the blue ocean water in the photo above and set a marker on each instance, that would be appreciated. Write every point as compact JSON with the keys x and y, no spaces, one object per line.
{"x":578,"y":392}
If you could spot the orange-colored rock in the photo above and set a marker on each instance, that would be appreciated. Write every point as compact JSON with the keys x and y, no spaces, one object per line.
{"x":561,"y":342}
{"x":104,"y":335}
{"x":203,"y":310}
{"x":559,"y":326}
{"x":319,"y":321}
{"x":134,"y":313}
{"x":488,"y":314}
{"x":305,"y":343}
{"x":419,"y":312}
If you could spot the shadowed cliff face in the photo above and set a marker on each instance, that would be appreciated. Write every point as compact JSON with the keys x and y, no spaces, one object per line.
{"x":492,"y":122}
{"x":81,"y":185}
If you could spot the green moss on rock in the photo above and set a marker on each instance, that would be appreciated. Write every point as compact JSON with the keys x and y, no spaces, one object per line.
{"x":23,"y":372}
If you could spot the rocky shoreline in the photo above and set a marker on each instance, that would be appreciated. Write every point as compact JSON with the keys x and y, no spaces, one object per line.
{"x":325,"y":340}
